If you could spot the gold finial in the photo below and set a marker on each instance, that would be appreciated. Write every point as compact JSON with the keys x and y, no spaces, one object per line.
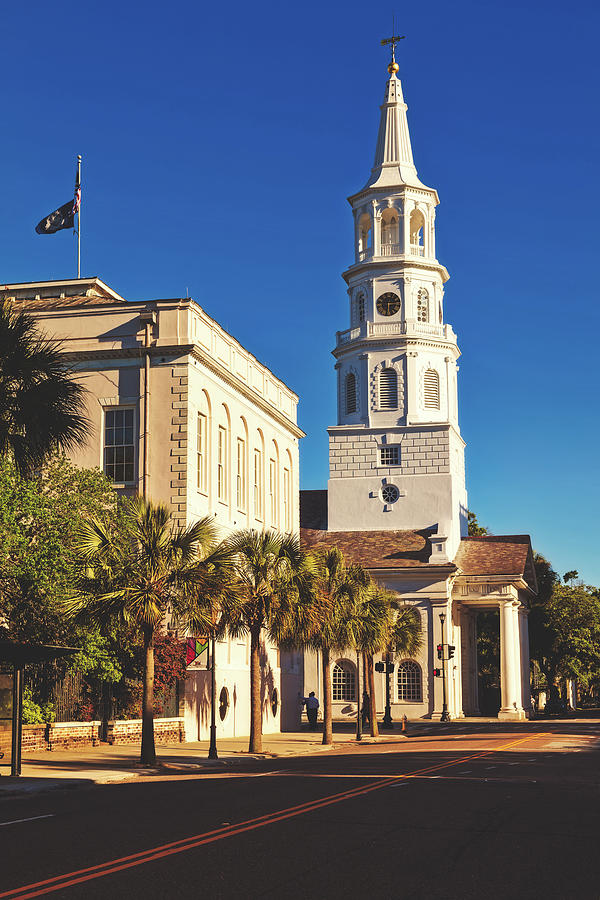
{"x":393,"y":66}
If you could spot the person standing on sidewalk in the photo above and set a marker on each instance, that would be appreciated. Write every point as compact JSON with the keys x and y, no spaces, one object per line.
{"x":312,"y":707}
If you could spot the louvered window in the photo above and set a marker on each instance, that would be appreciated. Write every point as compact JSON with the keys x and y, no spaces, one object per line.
{"x":388,"y":389}
{"x":431,"y":389}
{"x":350,"y":393}
{"x":360,"y":307}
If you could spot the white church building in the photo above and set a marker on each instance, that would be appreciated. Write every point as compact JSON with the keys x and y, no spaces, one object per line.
{"x":396,"y":500}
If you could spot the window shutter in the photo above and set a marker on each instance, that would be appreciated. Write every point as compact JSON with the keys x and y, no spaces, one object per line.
{"x":431,"y":389}
{"x":388,"y":389}
{"x":350,"y":393}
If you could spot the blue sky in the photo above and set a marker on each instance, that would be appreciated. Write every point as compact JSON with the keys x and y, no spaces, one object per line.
{"x":220,"y":142}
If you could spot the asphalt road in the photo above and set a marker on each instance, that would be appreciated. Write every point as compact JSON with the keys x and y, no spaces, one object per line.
{"x":484,"y":815}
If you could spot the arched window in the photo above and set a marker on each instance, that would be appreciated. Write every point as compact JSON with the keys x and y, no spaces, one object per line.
{"x":388,"y":389}
{"x":364,"y":234}
{"x":431,"y":389}
{"x":422,"y":305}
{"x":343,"y":681}
{"x":389,"y":232}
{"x":350,"y":393}
{"x":409,"y":682}
{"x":417,"y":233}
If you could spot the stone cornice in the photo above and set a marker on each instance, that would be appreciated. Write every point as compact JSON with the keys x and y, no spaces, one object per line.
{"x":398,"y":342}
{"x":395,"y":265}
{"x":178,"y":350}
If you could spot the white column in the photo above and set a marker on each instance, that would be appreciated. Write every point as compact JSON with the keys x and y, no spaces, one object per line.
{"x":406,"y":210}
{"x":510,"y":674}
{"x":525,"y":665}
{"x":356,"y":234}
{"x":376,"y":240}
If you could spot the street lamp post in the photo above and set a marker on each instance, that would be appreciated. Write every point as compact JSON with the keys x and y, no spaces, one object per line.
{"x":212,"y":750}
{"x":387,"y":716}
{"x":445,"y":714}
{"x":358,"y":710}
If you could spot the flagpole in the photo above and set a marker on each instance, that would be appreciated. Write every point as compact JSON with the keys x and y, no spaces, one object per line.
{"x":79,"y":219}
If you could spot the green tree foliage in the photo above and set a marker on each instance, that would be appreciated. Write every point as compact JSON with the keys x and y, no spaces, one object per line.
{"x":41,"y":406}
{"x":139,"y":570}
{"x":475,"y":529}
{"x":275,"y":578}
{"x":39,"y":518}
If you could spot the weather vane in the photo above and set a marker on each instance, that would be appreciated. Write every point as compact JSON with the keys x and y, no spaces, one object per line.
{"x":393,"y":40}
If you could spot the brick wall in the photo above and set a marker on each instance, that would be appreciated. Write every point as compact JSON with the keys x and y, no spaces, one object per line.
{"x":71,"y":735}
{"x":129,"y":731}
{"x":34,"y":738}
{"x":422,"y":452}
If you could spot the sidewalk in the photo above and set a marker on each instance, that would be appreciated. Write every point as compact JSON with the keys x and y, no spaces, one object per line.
{"x":105,"y":764}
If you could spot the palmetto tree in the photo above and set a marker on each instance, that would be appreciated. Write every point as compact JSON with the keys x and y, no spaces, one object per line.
{"x":275,"y":577}
{"x":41,"y":406}
{"x":145,"y":568}
{"x":370,"y":622}
{"x":335,"y":589}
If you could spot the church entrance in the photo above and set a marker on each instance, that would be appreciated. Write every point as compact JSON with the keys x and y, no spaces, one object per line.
{"x":488,"y":662}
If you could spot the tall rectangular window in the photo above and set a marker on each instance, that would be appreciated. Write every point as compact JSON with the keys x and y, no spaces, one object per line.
{"x":202,"y":454}
{"x":222,"y":473}
{"x":241,"y":474}
{"x":287,"y":500}
{"x":258,"y":485}
{"x":273,"y":491}
{"x":119,"y":445}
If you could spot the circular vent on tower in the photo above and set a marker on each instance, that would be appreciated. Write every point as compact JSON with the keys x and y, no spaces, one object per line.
{"x":389,"y":493}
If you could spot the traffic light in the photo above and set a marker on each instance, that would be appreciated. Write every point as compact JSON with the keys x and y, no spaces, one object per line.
{"x":440,"y":650}
{"x":379,"y":667}
{"x":451,"y":650}
{"x":437,"y":672}
{"x":390,"y":667}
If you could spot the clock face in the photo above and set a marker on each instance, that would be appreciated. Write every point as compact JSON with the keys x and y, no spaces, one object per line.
{"x":388,"y":304}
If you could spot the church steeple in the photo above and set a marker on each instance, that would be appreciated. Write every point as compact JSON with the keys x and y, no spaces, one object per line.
{"x":396,"y":454}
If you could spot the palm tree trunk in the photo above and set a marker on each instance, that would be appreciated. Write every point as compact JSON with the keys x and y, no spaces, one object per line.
{"x":327,"y":712}
{"x":148,"y":753}
{"x":372,"y":703}
{"x":255,"y":703}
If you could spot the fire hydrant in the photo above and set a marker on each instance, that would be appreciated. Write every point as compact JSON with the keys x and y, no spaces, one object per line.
{"x":404,"y":724}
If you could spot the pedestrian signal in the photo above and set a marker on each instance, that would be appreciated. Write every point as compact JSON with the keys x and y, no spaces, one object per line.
{"x":451,"y":650}
{"x":437,"y":672}
{"x":440,"y":651}
{"x":379,"y":667}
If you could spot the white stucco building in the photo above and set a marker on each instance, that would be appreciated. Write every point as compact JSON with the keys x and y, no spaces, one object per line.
{"x":396,"y":500}
{"x":181,"y":411}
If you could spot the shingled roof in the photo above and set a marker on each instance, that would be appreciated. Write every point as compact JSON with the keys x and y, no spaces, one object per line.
{"x":493,"y":554}
{"x":373,"y":549}
{"x":508,"y":555}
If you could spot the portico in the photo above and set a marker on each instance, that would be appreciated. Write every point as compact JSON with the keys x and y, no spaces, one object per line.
{"x":476,"y":594}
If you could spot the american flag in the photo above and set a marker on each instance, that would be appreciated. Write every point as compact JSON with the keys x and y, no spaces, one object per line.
{"x":77,"y":198}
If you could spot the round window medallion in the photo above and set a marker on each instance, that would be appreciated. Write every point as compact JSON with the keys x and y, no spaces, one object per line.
{"x":223,"y":703}
{"x":389,"y":493}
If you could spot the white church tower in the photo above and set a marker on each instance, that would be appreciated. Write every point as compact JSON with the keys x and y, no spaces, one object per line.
{"x":396,"y":454}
